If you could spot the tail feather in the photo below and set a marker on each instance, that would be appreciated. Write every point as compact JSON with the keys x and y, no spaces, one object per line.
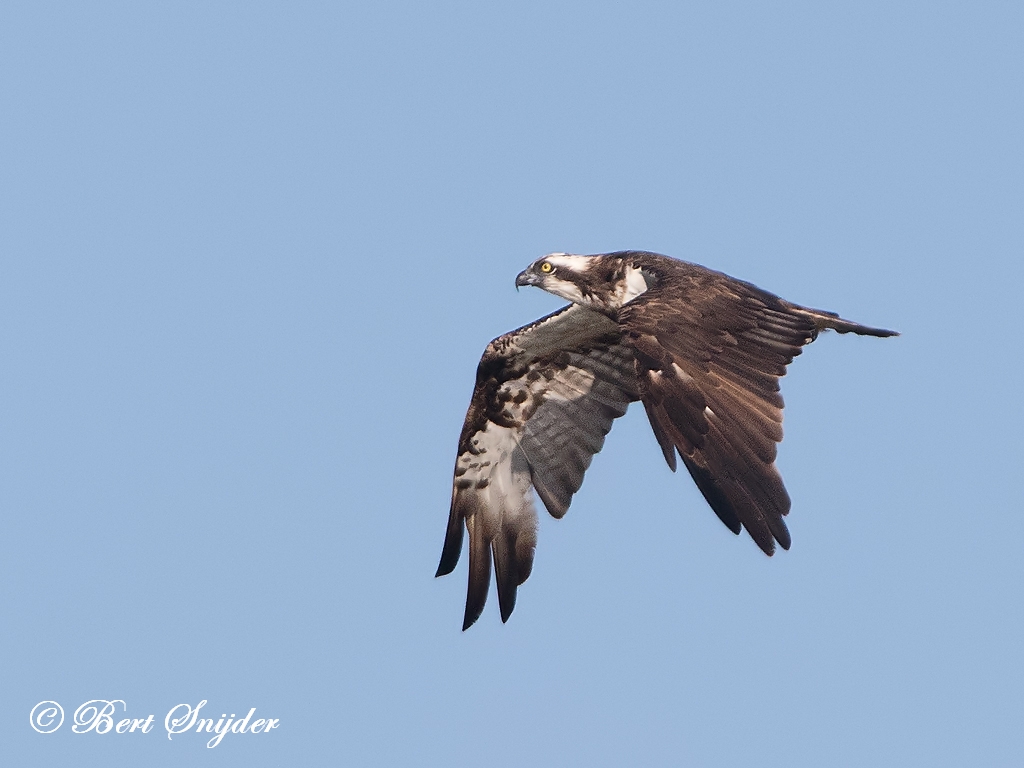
{"x":824,"y":320}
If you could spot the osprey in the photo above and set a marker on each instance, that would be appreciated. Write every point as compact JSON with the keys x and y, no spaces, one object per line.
{"x":702,"y":351}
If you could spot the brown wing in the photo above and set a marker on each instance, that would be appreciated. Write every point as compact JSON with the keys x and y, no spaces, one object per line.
{"x":545,"y":398}
{"x":710,"y":351}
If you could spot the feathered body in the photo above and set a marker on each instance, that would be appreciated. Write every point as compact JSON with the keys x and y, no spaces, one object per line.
{"x":702,"y":351}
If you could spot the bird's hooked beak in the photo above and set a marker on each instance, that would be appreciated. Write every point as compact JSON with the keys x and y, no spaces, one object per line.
{"x":527,"y":277}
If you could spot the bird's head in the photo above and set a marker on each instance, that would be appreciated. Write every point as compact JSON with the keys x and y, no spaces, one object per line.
{"x":603,"y":282}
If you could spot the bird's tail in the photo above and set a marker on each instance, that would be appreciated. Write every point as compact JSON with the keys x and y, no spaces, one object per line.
{"x":830,"y":320}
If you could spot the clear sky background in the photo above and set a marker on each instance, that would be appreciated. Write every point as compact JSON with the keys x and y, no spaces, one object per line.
{"x":251,"y":254}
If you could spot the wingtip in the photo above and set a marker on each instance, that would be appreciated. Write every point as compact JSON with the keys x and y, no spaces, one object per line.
{"x":507,"y":608}
{"x":846,"y":326}
{"x":669,"y":452}
{"x":769,"y":548}
{"x":449,"y":559}
{"x":880,"y":333}
{"x":473,"y":612}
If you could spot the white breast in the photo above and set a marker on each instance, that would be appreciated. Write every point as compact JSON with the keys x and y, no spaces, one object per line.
{"x":634,"y":284}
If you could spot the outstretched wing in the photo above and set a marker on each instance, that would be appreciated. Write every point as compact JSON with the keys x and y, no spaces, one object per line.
{"x":710,"y":351}
{"x":545,"y":397}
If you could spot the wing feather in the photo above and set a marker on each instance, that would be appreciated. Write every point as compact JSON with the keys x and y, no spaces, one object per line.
{"x":545,"y":397}
{"x":710,"y":351}
{"x":479,"y":568}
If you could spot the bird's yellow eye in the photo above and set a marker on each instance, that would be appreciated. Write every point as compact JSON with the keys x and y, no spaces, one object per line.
{"x":546,"y":268}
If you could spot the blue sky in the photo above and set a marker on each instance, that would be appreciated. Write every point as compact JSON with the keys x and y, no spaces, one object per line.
{"x":251,"y":254}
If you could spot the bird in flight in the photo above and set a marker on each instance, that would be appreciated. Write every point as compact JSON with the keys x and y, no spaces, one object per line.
{"x":702,"y":351}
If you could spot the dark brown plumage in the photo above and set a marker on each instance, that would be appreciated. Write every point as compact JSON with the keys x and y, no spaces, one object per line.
{"x":704,"y":352}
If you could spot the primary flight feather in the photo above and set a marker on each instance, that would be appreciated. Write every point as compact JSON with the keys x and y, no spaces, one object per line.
{"x":702,"y":351}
